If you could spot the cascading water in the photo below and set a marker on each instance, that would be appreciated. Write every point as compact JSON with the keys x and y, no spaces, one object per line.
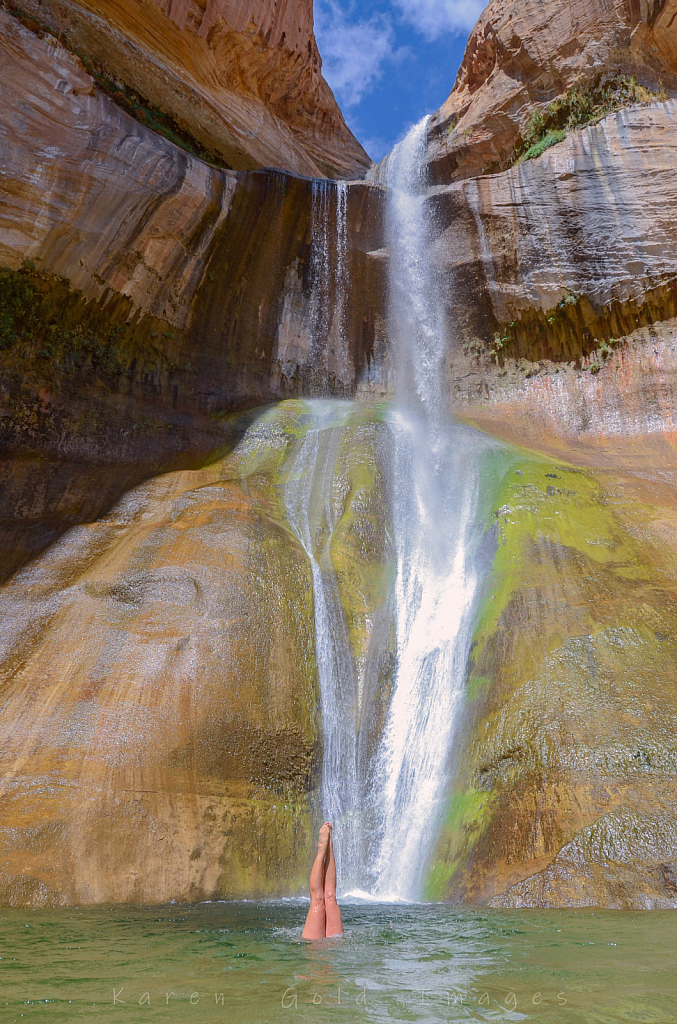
{"x":310,"y":510}
{"x":434,"y":502}
{"x":328,"y":264}
{"x":385,"y":798}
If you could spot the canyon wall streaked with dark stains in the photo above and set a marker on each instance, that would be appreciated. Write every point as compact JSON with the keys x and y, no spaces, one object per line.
{"x":203,"y":274}
{"x":157,"y":672}
{"x":574,"y":257}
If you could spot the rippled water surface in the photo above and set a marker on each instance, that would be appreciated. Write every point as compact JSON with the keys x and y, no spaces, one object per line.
{"x":246,"y":962}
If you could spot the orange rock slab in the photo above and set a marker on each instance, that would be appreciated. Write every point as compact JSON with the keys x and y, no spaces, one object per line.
{"x":158,"y":689}
{"x":525,"y":53}
{"x":243,"y":78}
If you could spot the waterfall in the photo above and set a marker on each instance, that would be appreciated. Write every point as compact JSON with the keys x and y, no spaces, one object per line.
{"x":385,"y":799}
{"x":328,"y":267}
{"x":434,"y":502}
{"x":310,"y":510}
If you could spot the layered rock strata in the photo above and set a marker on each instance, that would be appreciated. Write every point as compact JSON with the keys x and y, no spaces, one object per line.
{"x":159,"y":293}
{"x":524,"y":54}
{"x":242,"y":79}
{"x":561,"y":278}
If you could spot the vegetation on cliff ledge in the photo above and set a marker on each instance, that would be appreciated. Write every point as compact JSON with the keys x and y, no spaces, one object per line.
{"x":577,"y":108}
{"x":50,"y":333}
{"x":34,"y":321}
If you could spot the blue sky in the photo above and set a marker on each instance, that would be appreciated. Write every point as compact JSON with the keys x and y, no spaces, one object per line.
{"x":390,"y":62}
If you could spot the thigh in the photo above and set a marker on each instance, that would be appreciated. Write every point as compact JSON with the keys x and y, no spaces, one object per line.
{"x":315,"y":926}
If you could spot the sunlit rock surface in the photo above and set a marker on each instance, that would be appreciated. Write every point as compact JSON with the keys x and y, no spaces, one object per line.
{"x":561,"y":283}
{"x":561,"y":266}
{"x":243,"y":79}
{"x":566,"y":787}
{"x":160,"y":737}
{"x":159,"y":729}
{"x":622,"y":417}
{"x":589,"y":220}
{"x":523,"y":53}
{"x":566,"y":763}
{"x":561,"y":276}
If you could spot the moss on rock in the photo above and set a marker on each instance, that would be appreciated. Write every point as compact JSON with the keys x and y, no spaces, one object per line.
{"x":571,"y":702}
{"x":580,"y":106}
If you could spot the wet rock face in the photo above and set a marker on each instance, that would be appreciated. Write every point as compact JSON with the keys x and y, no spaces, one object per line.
{"x":157,"y":667}
{"x":523,"y":53}
{"x":160,"y":736}
{"x":586,"y":222}
{"x":243,"y":79}
{"x":561,"y":277}
{"x":565,"y":791}
{"x":157,"y":295}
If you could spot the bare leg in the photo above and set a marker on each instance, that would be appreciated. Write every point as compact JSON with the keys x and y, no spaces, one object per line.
{"x":331,"y":907}
{"x":315,"y":926}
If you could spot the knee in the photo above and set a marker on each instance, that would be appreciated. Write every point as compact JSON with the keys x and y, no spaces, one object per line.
{"x":317,"y":895}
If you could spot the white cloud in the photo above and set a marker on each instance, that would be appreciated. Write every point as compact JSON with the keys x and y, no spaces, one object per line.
{"x":353,"y":53}
{"x":433,"y":18}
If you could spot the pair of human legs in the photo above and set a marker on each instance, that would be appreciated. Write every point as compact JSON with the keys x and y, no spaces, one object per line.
{"x":324,"y":916}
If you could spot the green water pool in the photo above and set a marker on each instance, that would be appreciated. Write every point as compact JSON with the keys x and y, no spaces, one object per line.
{"x":246,"y":962}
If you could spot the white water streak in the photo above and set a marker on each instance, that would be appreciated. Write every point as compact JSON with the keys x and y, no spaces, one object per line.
{"x":308,"y":497}
{"x":386,"y":810}
{"x":310,"y":509}
{"x":329,"y":266}
{"x":434,"y":500}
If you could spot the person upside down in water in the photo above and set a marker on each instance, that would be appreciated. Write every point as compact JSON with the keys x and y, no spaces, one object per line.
{"x":324,"y":916}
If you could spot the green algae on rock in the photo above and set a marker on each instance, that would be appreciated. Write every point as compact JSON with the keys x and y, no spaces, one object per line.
{"x":568,"y":742}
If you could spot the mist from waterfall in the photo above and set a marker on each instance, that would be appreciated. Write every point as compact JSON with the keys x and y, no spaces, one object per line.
{"x":385,"y":793}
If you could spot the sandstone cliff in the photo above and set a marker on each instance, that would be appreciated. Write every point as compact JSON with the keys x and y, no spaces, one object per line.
{"x":182,"y":742}
{"x":565,"y":790}
{"x":160,"y":736}
{"x":561,"y":273}
{"x":159,"y":292}
{"x":147,"y":294}
{"x":524,"y":54}
{"x":241,"y":79}
{"x":559,"y":265}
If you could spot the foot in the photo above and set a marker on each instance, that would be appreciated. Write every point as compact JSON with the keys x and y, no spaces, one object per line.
{"x":324,"y":838}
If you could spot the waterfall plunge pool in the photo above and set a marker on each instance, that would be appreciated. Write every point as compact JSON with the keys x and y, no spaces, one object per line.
{"x":424,"y":963}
